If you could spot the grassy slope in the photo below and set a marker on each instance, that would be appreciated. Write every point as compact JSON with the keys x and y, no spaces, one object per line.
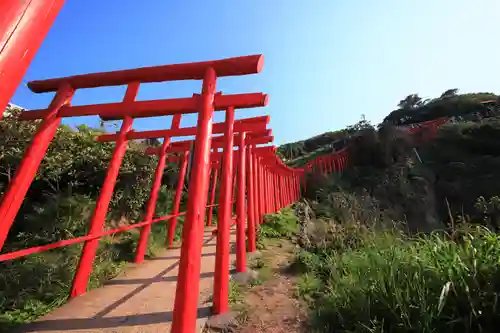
{"x":362,"y":273}
{"x":359,"y":280}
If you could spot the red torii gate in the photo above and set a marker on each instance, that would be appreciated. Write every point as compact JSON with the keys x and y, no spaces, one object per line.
{"x":281,"y":190}
{"x":248,"y":124}
{"x":242,"y":142}
{"x":256,"y":135}
{"x":334,"y":162}
{"x":23,"y":27}
{"x":251,"y":138}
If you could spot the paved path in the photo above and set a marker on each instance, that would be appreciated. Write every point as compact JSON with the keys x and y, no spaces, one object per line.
{"x":140,"y":299}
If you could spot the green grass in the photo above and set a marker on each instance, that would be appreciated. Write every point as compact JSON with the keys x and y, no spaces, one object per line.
{"x":283,"y":224}
{"x":262,"y":266}
{"x":235,"y":293}
{"x":389,"y":283}
{"x":309,"y":286}
{"x":237,"y":302}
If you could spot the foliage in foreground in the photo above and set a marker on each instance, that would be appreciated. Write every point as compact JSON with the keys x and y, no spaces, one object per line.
{"x":34,"y":285}
{"x":59,"y":205}
{"x":283,"y":224}
{"x":386,"y":282}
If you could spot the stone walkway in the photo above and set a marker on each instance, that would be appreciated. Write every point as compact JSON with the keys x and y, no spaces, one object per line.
{"x":140,"y":299}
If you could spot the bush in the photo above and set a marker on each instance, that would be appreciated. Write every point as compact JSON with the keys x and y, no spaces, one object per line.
{"x":465,"y":159}
{"x":59,"y":205}
{"x":36,"y":284}
{"x":389,"y":283}
{"x":444,"y":106}
{"x":283,"y":224}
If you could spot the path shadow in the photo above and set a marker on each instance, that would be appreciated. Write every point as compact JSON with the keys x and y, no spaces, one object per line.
{"x":140,"y":288}
{"x":178,"y":257}
{"x":153,"y":280}
{"x":100,"y":323}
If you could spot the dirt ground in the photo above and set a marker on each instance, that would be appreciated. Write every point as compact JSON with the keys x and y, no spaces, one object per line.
{"x":271,"y":306}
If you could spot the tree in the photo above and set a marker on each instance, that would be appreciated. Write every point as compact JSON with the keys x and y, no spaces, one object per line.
{"x":411,"y":101}
{"x":449,"y":93}
{"x":360,"y":125}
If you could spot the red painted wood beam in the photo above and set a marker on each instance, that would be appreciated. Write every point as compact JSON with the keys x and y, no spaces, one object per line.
{"x":189,"y":71}
{"x":217,"y":155}
{"x":255,"y":139}
{"x":251,"y":141}
{"x":248,"y":125}
{"x":177,"y":148}
{"x":23,"y":26}
{"x":174,"y":159}
{"x":155,"y":108}
{"x":249,"y":135}
{"x":181,"y":146}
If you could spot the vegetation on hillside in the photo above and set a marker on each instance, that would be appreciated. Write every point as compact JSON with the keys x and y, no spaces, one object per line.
{"x":405,"y":239}
{"x":427,"y":183}
{"x":365,"y":270}
{"x":465,"y":161}
{"x":296,"y":154}
{"x":413,"y":109}
{"x":364,"y":279}
{"x":324,"y":142}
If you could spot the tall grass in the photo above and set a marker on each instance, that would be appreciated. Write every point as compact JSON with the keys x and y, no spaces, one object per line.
{"x":386,"y":282}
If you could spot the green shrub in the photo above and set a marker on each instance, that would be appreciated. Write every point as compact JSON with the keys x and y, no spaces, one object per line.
{"x":283,"y":224}
{"x":59,"y":205}
{"x":443,"y":106}
{"x":465,"y":158}
{"x":393,"y":284}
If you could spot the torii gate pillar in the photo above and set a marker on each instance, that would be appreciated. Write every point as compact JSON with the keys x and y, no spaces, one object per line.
{"x":23,"y":27}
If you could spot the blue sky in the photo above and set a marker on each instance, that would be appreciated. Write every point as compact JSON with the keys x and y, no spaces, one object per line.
{"x":326,"y":61}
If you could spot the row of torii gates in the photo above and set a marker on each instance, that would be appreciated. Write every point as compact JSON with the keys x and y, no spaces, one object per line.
{"x":228,"y":153}
{"x":231,"y":154}
{"x":264,"y":184}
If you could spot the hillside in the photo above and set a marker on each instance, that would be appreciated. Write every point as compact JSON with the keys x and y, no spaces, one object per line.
{"x":405,"y":240}
{"x":454,"y":171}
{"x":298,"y":153}
{"x":413,"y":109}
